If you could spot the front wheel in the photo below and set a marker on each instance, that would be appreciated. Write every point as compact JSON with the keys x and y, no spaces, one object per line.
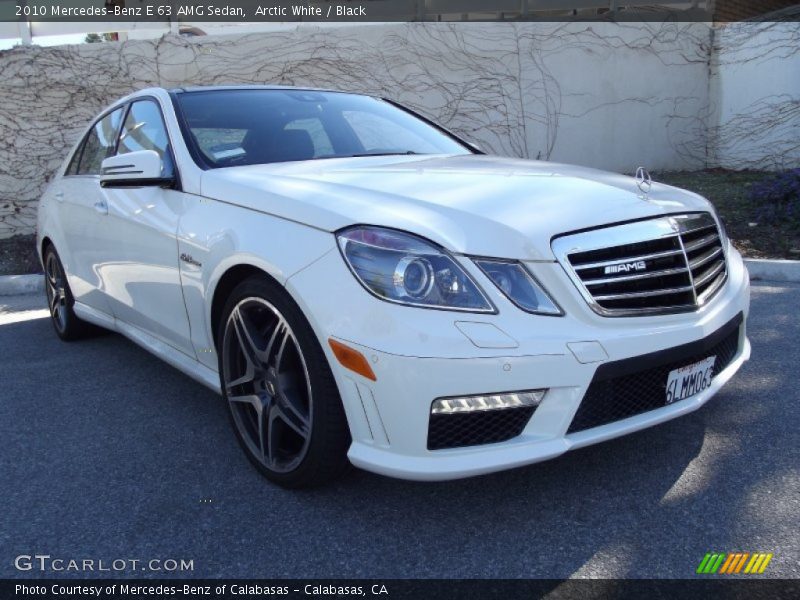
{"x":282,"y":398}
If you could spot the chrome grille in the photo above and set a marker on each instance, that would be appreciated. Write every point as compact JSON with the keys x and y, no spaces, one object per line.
{"x":668,"y":264}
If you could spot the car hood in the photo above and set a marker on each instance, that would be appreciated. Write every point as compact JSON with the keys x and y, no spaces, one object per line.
{"x":472,"y":204}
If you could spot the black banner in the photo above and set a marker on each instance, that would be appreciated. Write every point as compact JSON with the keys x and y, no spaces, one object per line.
{"x":438,"y":589}
{"x":249,"y":11}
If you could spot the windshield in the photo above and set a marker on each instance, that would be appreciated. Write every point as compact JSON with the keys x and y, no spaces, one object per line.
{"x":226,"y":128}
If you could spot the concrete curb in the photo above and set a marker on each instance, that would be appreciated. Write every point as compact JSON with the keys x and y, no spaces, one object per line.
{"x":13,"y":285}
{"x":760,"y":270}
{"x":773,"y":270}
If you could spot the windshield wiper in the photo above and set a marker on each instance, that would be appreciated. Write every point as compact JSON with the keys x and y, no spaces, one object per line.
{"x":405,"y":153}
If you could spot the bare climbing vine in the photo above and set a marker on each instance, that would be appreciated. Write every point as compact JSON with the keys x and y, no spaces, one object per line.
{"x":519,"y":89}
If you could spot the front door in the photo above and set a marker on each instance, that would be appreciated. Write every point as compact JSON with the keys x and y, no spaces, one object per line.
{"x":141,"y":271}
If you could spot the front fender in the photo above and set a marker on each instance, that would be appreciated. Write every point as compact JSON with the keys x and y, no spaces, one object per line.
{"x":216,"y":237}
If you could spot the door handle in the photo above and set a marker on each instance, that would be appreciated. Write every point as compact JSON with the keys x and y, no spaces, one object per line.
{"x":59,"y":196}
{"x":101,"y":207}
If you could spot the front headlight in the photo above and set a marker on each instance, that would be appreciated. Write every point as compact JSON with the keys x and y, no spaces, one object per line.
{"x":403,"y":268}
{"x":519,"y":286}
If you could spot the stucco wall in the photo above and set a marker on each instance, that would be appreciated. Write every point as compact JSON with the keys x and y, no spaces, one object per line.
{"x":755,"y":87}
{"x":598,"y":94}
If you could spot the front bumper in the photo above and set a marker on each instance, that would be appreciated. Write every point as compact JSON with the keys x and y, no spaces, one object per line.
{"x":419,"y":355}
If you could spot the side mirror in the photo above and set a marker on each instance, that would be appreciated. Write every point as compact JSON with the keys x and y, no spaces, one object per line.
{"x":135,"y":169}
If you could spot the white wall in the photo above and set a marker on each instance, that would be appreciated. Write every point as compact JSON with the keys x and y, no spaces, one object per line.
{"x":755,"y":85}
{"x":605,"y":95}
{"x":613,"y":96}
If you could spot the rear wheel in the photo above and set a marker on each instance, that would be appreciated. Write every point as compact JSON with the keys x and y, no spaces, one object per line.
{"x":282,"y":398}
{"x":60,"y":300}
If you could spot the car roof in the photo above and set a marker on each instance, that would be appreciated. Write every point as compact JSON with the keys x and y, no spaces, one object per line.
{"x":161,"y":91}
{"x":207,"y":88}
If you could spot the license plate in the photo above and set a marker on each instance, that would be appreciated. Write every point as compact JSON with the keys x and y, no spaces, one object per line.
{"x":689,"y":380}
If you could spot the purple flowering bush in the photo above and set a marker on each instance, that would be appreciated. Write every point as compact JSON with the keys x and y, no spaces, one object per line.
{"x":778,"y":198}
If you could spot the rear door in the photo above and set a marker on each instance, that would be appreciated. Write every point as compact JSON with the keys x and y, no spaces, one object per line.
{"x":81,"y":206}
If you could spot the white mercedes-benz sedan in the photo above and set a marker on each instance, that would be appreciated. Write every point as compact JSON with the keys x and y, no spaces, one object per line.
{"x":362,"y":286}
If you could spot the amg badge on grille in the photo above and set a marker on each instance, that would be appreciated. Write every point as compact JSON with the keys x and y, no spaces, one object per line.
{"x":639,"y":265}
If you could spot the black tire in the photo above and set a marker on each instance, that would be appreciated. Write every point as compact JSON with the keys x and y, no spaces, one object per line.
{"x":290,"y":400}
{"x":60,"y":301}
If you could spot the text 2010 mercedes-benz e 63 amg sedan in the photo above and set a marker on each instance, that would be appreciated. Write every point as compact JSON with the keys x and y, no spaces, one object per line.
{"x":362,"y":286}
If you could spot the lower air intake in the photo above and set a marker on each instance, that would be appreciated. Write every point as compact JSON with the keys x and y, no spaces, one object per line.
{"x":637,"y":385}
{"x":457,"y":430}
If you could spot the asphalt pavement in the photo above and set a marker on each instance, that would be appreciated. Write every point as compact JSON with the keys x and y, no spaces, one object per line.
{"x":109,"y":453}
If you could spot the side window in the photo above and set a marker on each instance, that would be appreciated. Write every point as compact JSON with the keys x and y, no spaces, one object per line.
{"x":144,"y":129}
{"x":99,"y":145}
{"x":72,"y":169}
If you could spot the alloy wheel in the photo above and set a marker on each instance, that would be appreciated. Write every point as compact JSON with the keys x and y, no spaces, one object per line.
{"x":267,"y":384}
{"x":56,"y":292}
